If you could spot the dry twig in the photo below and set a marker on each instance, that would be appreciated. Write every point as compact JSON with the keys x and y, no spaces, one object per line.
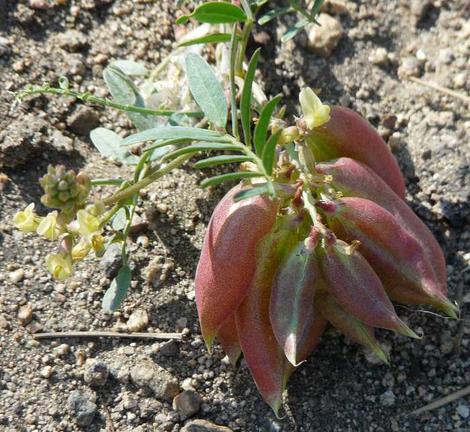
{"x":441,"y":89}
{"x":97,"y":334}
{"x":443,"y":401}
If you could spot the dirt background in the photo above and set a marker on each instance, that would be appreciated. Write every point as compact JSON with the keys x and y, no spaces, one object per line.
{"x":58,"y":385}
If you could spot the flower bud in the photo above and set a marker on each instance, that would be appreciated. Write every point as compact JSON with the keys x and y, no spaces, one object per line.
{"x":59,"y":265}
{"x":81,"y":249}
{"x":87,"y":223}
{"x":315,"y":113}
{"x":26,"y":220}
{"x":49,"y":228}
{"x":288,"y":135}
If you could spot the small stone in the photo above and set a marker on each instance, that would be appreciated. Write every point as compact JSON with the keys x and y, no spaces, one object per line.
{"x":96,"y":373}
{"x":39,"y":4}
{"x":421,"y":56}
{"x":334,"y":7}
{"x":47,"y":371}
{"x":187,"y":403}
{"x":60,"y":141}
{"x":169,"y":349}
{"x":323,"y":39}
{"x":61,"y":350}
{"x":379,"y":57}
{"x":16,"y":276}
{"x":146,"y":374}
{"x":388,"y":398}
{"x":409,"y":67}
{"x":71,"y":40}
{"x":111,"y":260}
{"x":137,"y":321}
{"x":3,"y":323}
{"x":81,"y":408}
{"x":463,"y":411}
{"x":25,"y":314}
{"x":83,"y":120}
{"x":204,"y":426}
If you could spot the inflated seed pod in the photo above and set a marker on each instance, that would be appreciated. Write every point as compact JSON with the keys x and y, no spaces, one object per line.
{"x":227,"y":335}
{"x":357,"y":289}
{"x":348,"y":134}
{"x":228,"y":257}
{"x":353,"y":178}
{"x":396,"y":256}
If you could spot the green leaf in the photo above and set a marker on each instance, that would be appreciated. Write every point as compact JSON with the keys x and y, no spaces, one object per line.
{"x":269,"y":152}
{"x":245,"y":102}
{"x":202,"y":146}
{"x":251,"y":192}
{"x":117,"y":291}
{"x":124,"y":91}
{"x":109,"y":144}
{"x":131,"y":68}
{"x":212,"y":38}
{"x":215,"y":13}
{"x":272,"y":14}
{"x":206,"y":89}
{"x":292,"y":32}
{"x":219,"y":160}
{"x":119,"y":221}
{"x":175,"y":132}
{"x":212,"y":181}
{"x":261,"y":129}
{"x":316,"y":8}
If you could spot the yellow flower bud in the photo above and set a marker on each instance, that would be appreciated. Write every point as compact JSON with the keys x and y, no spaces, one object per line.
{"x":81,"y":249}
{"x":60,"y":266}
{"x":87,"y":223}
{"x":288,"y":135}
{"x":26,"y":220}
{"x":315,"y":113}
{"x":49,"y":227}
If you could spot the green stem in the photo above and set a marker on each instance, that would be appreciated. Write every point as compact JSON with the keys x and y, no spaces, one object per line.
{"x":107,"y":182}
{"x":89,"y":98}
{"x":233,"y":87}
{"x":243,"y":44}
{"x":149,"y":179}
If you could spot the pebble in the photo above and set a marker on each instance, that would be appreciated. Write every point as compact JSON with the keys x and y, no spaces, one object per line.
{"x":409,"y":67}
{"x":379,"y":57}
{"x":463,"y":411}
{"x":25,"y":314}
{"x":204,"y":426}
{"x":323,"y":39}
{"x":47,"y":371}
{"x":187,"y":403}
{"x":16,"y":276}
{"x":169,"y":349}
{"x":111,"y":260}
{"x":388,"y":398}
{"x":3,"y":323}
{"x":71,"y":40}
{"x":147,"y":375}
{"x":334,"y":7}
{"x":61,"y":350}
{"x":83,"y":120}
{"x":96,"y":373}
{"x":81,"y":408}
{"x":137,"y":321}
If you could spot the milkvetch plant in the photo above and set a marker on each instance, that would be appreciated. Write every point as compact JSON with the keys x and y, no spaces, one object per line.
{"x":316,"y":231}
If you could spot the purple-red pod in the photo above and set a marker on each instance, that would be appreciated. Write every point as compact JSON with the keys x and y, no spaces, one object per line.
{"x":263,"y":355}
{"x":228,"y":257}
{"x":349,"y":325}
{"x":353,"y":178}
{"x":357,"y":289}
{"x":348,"y":134}
{"x":396,"y":256}
{"x":227,"y":335}
{"x":293,"y":290}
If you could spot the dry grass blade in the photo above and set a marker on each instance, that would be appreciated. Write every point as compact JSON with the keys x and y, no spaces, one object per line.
{"x":441,"y":89}
{"x":97,"y":334}
{"x":443,"y":401}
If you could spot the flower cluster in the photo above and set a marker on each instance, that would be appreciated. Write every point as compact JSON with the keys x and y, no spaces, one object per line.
{"x":77,"y":230}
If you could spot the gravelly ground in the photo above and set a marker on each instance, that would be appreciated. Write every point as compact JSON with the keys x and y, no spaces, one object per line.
{"x":340,"y":388}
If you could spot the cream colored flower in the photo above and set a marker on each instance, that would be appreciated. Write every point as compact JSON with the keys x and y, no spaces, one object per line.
{"x":81,"y":249}
{"x":26,"y":220}
{"x":88,"y":224}
{"x":49,"y":227}
{"x":315,"y":113}
{"x":60,"y":266}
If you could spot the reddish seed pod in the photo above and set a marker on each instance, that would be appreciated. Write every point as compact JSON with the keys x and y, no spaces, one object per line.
{"x":353,"y":178}
{"x":348,"y":134}
{"x":227,"y":335}
{"x":357,"y":289}
{"x":228,"y":257}
{"x":291,"y":307}
{"x":395,"y":255}
{"x":348,"y":324}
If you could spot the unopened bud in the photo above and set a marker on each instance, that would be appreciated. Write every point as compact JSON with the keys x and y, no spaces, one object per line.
{"x":288,"y":135}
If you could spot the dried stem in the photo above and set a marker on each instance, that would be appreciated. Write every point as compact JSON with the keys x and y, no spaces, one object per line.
{"x":98,"y":334}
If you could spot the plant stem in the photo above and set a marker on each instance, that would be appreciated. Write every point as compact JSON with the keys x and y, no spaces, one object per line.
{"x":243,"y":44}
{"x":107,"y":182}
{"x":89,"y":98}
{"x":149,"y":179}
